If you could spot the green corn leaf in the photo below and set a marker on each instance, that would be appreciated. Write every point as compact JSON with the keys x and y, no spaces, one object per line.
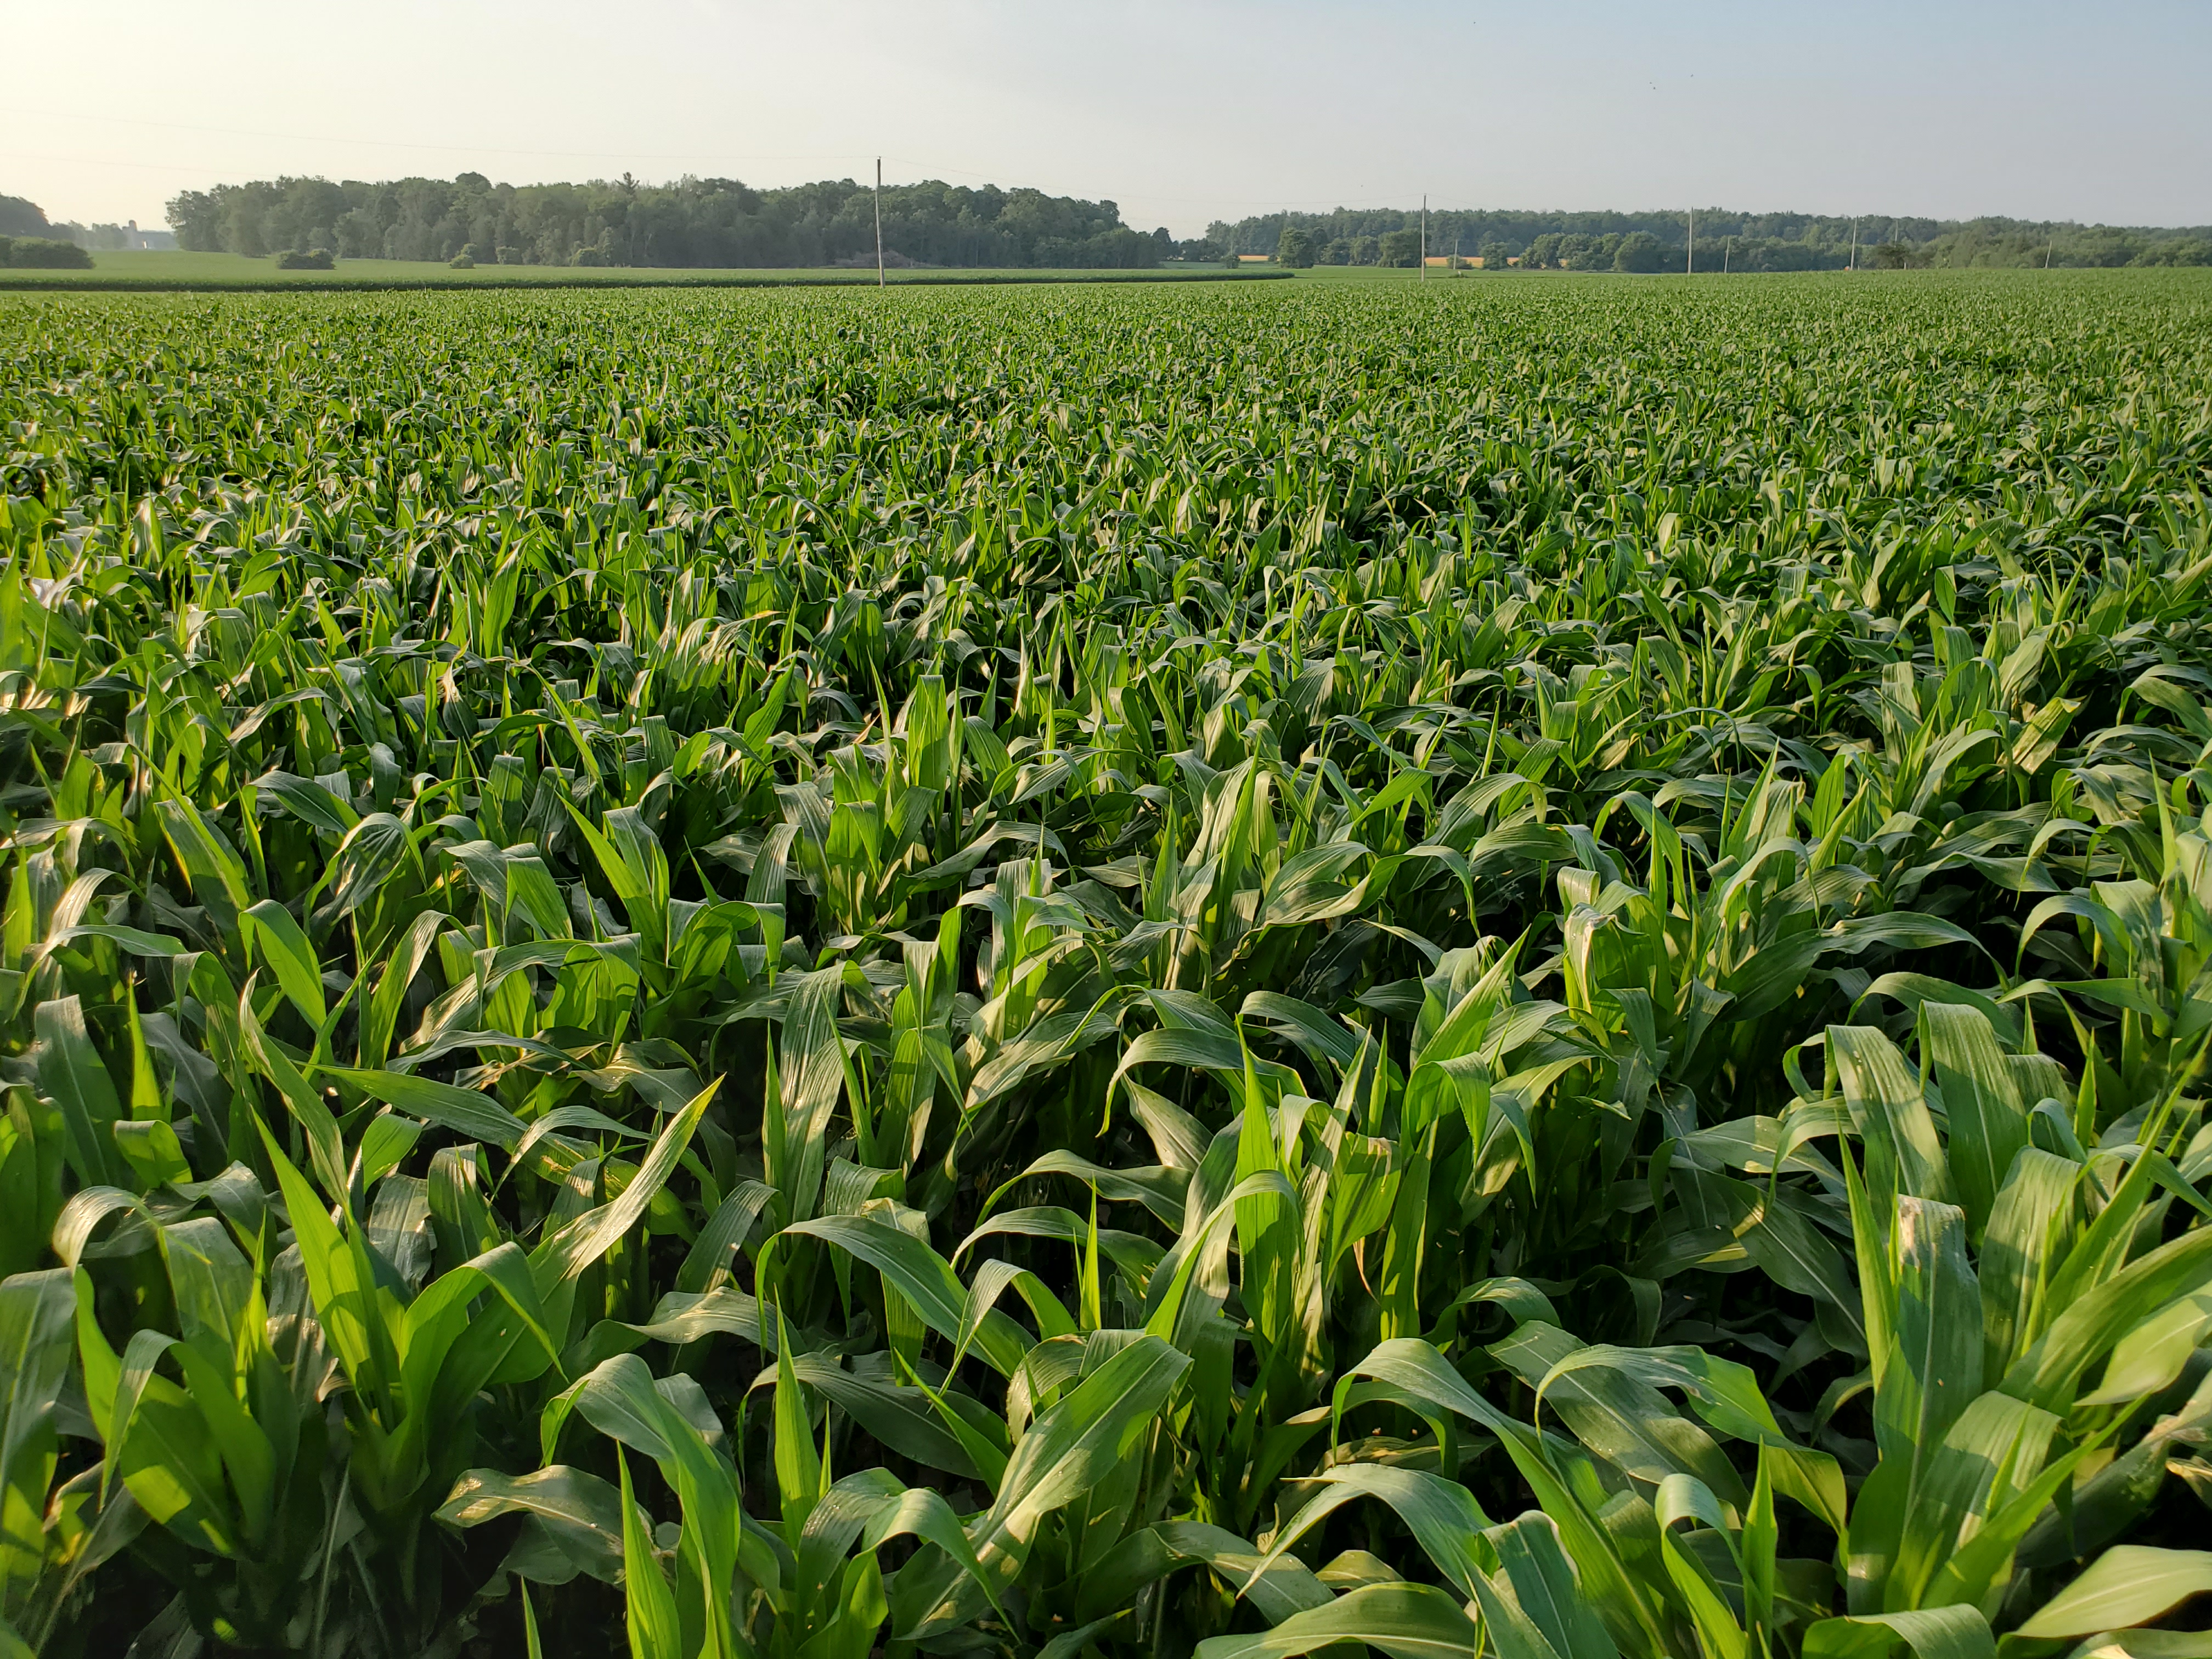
{"x":381,"y":1018}
{"x":620,"y":1399}
{"x":1996,"y":1447}
{"x":437,"y":1319}
{"x":2102,"y":1507}
{"x":1216,"y":1052}
{"x":325,"y":1144}
{"x":310,"y":803}
{"x":1632,"y":1616}
{"x":1266,"y":1232}
{"x":1407,"y":1621}
{"x":2152,"y":1355}
{"x":36,"y":1310}
{"x":797,"y":1462}
{"x":1071,"y":1447}
{"x":1886,"y":1101}
{"x":1537,"y":1582}
{"x":210,"y":863}
{"x":274,"y":934}
{"x":1756,"y":1547}
{"x":1935,"y":1368}
{"x":1443,"y":1517}
{"x":361,"y":1317}
{"x":152,"y":1153}
{"x":654,"y":1630}
{"x":1159,"y":1189}
{"x":909,"y":1420}
{"x":1282,"y":1588}
{"x":1988,"y":1121}
{"x":925,"y":1280}
{"x":1619,"y":1417}
{"x":2020,"y":1249}
{"x":367,"y":862}
{"x":71,"y":1072}
{"x":1952,"y":1632}
{"x":582,"y":1512}
{"x":725,"y":1233}
{"x":813,"y":1079}
{"x":468,"y":1112}
{"x":1979,"y":1572}
{"x":575,"y":1247}
{"x":993,"y":1280}
{"x":682,"y":1317}
{"x":1187,"y":1290}
{"x":1405,"y":1242}
{"x":159,"y":1444}
{"x":2128,"y":1584}
{"x":1725,"y":1394}
{"x":1318,"y":1036}
{"x":2048,"y":1372}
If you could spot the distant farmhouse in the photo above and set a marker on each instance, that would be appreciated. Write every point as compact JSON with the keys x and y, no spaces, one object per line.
{"x":125,"y":238}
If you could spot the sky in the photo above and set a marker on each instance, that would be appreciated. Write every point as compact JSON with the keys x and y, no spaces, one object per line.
{"x":1183,"y":113}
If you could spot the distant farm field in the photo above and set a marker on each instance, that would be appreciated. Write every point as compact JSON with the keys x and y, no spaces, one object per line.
{"x":1486,"y":966}
{"x":221,"y":271}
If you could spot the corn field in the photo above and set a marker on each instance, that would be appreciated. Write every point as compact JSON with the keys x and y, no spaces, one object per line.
{"x":1509,"y":969}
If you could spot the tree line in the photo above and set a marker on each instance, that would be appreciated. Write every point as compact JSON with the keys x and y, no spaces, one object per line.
{"x":706,"y":222}
{"x":1725,"y":240}
{"x":722,"y":222}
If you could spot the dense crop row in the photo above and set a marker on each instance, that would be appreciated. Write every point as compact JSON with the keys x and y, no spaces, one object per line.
{"x":1051,"y":973}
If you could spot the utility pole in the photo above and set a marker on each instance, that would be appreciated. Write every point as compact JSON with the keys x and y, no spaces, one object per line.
{"x":1425,"y":239}
{"x":1855,"y":244}
{"x":2047,"y":246}
{"x":1728,"y":252}
{"x":1693,"y":242}
{"x":879,"y":222}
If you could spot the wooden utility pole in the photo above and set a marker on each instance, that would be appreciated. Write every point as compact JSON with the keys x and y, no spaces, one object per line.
{"x":1425,"y":239}
{"x":879,"y":222}
{"x":1693,"y":243}
{"x":1855,"y":244}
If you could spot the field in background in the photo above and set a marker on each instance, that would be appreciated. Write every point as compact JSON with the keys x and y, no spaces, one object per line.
{"x":219,"y":272}
{"x":1110,"y":973}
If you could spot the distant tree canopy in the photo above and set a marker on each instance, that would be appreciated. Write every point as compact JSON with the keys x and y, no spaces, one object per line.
{"x":724,"y":222}
{"x":1744,"y":242}
{"x":1400,"y":247}
{"x":42,"y":253}
{"x":1640,"y":250}
{"x":21,"y":218}
{"x":691,"y":222}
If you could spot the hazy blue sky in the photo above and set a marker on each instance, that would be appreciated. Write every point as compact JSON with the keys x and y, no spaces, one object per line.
{"x":1180,"y":112}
